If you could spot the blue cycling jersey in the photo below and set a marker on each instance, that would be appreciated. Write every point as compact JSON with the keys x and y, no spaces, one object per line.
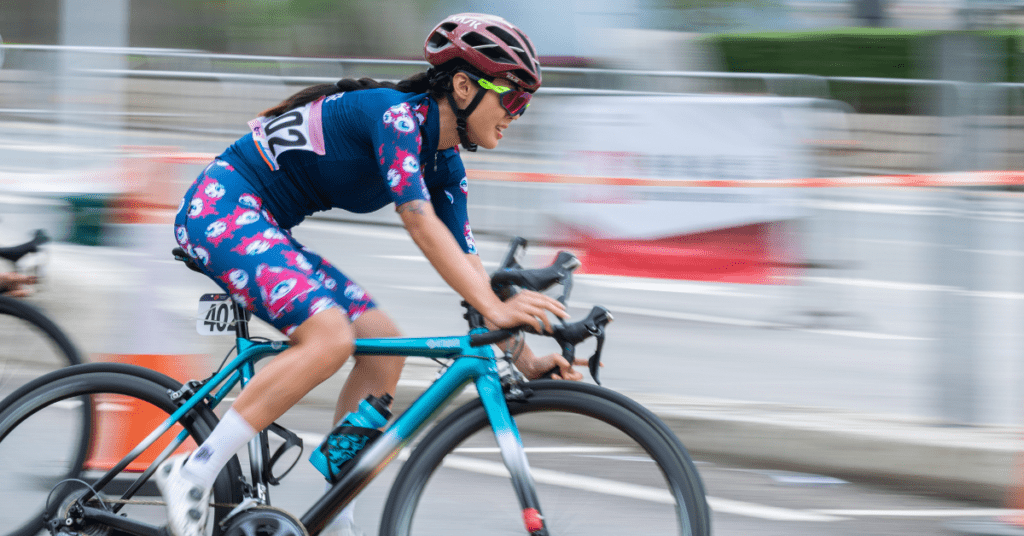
{"x":358,"y":151}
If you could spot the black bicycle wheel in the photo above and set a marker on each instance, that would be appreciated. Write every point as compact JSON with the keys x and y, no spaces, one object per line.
{"x":41,"y":431}
{"x":599,"y":462}
{"x":30,"y":345}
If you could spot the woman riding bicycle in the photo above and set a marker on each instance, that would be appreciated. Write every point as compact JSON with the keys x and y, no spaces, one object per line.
{"x":355,"y":145}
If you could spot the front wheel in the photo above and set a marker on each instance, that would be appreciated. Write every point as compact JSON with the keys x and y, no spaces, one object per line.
{"x":601,"y":464}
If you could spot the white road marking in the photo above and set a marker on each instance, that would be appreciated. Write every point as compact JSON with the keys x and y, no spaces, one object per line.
{"x":674,"y":315}
{"x":431,"y":290}
{"x":633,"y":491}
{"x":415,"y":258}
{"x":874,"y":208}
{"x":871,"y":283}
{"x":67,"y":404}
{"x":548,"y":450}
{"x":932,"y":512}
{"x":659,"y":285}
{"x":365,"y":231}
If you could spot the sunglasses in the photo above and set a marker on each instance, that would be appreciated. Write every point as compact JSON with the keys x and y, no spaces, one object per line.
{"x":514,"y":102}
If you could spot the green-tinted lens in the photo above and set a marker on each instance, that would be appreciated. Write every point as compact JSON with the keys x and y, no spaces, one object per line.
{"x":487,"y":84}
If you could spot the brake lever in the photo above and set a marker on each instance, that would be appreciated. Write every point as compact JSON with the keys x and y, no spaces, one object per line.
{"x":594,"y":363}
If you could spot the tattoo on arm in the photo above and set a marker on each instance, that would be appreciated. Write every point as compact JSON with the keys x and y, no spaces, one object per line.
{"x":416,"y":207}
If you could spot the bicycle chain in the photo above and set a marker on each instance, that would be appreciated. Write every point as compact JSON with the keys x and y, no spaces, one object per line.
{"x":139,"y":502}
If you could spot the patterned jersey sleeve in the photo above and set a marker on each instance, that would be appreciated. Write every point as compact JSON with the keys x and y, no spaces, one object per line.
{"x":449,"y":203}
{"x":398,"y":141}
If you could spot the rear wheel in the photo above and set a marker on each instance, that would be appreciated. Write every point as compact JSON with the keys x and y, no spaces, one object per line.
{"x":78,"y":423}
{"x":30,"y":345}
{"x":599,"y":464}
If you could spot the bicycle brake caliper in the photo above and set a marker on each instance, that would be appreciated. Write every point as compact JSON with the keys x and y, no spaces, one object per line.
{"x":512,"y":380}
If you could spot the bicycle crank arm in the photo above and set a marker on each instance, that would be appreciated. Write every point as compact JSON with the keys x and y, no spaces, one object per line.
{"x":123,"y":524}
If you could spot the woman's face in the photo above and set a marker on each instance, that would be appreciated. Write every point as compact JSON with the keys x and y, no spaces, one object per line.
{"x":486,"y":123}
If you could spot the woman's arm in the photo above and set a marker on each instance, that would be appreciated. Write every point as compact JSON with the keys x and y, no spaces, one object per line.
{"x":445,"y":255}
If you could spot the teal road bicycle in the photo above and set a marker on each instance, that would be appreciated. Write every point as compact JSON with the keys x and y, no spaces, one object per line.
{"x":523,"y":457}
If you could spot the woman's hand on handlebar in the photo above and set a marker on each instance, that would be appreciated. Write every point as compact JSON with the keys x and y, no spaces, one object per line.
{"x":528,"y":308}
{"x":533,"y":367}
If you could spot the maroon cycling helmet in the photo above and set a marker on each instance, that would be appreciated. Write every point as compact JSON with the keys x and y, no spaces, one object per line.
{"x":487,"y":42}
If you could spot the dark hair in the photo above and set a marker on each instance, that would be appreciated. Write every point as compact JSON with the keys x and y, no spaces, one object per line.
{"x":417,"y":83}
{"x":436,"y":80}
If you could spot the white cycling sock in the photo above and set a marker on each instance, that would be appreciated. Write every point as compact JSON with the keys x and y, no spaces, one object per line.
{"x":230,"y":435}
{"x":348,"y":513}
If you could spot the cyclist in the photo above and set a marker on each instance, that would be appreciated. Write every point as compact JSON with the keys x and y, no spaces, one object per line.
{"x":355,"y":145}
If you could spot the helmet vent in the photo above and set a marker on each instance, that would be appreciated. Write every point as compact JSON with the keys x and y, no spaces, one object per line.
{"x":437,"y":42}
{"x":526,"y":42}
{"x":512,"y":42}
{"x":488,"y":48}
{"x":449,"y":26}
{"x":526,"y":76}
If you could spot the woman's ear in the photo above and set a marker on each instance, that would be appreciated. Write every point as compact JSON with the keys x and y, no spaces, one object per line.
{"x":462,"y":89}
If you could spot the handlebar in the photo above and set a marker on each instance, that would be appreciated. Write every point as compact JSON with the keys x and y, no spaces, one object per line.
{"x":15,"y":253}
{"x":510,"y":276}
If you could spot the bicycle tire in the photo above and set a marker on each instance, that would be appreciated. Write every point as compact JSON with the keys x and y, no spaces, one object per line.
{"x":46,"y":398}
{"x":31,"y":344}
{"x":425,"y":486}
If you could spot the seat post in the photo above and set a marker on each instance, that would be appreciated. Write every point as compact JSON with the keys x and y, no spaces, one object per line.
{"x":242,"y":322}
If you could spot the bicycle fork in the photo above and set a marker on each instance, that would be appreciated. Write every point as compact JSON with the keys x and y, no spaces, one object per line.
{"x":507,"y":435}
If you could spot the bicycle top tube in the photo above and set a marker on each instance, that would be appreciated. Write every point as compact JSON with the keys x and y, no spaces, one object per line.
{"x":433,"y":347}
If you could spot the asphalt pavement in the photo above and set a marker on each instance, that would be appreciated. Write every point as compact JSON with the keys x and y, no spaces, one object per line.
{"x":95,"y":294}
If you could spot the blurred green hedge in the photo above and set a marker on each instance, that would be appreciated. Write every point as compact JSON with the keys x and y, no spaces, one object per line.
{"x":865,"y":52}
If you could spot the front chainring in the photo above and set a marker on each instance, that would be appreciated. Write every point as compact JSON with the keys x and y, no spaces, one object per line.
{"x":263,"y":521}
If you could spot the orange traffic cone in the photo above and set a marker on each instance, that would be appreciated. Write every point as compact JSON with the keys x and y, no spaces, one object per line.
{"x":142,"y":334}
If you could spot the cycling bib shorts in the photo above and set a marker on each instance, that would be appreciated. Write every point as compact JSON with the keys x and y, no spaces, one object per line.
{"x":237,"y":242}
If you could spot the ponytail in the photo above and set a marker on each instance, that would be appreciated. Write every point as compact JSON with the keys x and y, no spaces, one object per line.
{"x":417,"y":83}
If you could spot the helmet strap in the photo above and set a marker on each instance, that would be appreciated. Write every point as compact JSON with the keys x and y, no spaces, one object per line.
{"x":461,"y":115}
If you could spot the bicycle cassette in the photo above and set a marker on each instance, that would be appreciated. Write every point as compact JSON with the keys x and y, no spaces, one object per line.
{"x":65,"y":516}
{"x":263,"y":521}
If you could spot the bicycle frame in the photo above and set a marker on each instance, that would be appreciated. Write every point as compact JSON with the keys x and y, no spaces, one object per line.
{"x":471,"y":364}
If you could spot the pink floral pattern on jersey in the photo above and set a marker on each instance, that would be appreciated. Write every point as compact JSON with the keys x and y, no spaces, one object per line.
{"x":404,"y":166}
{"x":470,"y":241}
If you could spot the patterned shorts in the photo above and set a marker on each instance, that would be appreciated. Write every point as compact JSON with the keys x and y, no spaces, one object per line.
{"x":239,"y":245}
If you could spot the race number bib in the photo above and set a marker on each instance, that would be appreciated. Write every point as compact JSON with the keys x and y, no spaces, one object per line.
{"x":217,"y":315}
{"x":298,"y":129}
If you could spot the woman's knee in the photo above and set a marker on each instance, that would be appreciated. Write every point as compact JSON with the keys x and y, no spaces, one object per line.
{"x":375,"y":324}
{"x":328,"y":338}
